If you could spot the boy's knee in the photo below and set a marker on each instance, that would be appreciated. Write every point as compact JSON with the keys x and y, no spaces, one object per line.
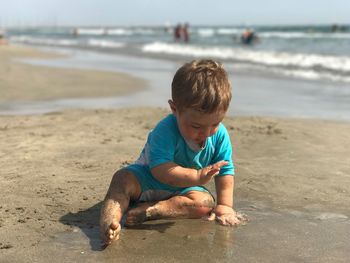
{"x":126,"y":181}
{"x":202,"y":211}
{"x":203,"y":203}
{"x":121,"y":176}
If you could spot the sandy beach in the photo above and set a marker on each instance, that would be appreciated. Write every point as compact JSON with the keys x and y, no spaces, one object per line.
{"x":43,"y":83}
{"x":293,"y":178}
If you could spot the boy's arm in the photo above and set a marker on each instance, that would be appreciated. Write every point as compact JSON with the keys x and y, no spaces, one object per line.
{"x":176,"y":175}
{"x":224,"y":190}
{"x":224,"y":212}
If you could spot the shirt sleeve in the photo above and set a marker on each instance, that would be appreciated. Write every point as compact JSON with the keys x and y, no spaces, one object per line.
{"x":161,"y":144}
{"x":223,"y":151}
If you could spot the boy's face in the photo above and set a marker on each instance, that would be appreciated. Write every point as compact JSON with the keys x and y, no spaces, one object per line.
{"x":195,"y":125}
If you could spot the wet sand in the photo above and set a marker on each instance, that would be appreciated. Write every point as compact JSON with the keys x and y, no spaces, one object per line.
{"x":292,"y":181}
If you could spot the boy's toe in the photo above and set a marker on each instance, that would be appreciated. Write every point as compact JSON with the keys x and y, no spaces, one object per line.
{"x":115,"y":226}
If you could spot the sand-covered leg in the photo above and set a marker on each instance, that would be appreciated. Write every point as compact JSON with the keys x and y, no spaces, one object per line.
{"x":123,"y":188}
{"x":140,"y":214}
{"x":193,"y":205}
{"x":109,"y":221}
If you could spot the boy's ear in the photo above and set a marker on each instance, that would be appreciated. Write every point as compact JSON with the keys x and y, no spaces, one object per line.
{"x":172,"y":106}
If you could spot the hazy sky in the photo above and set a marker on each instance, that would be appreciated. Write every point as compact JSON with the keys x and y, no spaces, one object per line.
{"x":157,"y":12}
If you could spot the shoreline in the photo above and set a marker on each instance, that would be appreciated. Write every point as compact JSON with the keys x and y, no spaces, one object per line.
{"x":253,"y":94}
{"x":27,"y":83}
{"x":135,"y":52}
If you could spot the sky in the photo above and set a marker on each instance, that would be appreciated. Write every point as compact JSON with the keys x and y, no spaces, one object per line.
{"x":160,"y":12}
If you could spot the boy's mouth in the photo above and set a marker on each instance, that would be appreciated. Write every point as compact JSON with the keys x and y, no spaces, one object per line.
{"x":200,"y":143}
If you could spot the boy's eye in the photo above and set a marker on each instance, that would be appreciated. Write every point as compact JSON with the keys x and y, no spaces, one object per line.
{"x":195,"y":127}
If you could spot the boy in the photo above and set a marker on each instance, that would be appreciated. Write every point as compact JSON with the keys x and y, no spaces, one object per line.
{"x":183,"y":153}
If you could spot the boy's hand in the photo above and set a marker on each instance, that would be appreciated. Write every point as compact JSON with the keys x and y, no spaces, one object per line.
{"x":226,"y":216}
{"x":210,"y":171}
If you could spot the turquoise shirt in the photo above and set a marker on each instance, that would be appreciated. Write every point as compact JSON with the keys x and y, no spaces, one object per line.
{"x":165,"y":144}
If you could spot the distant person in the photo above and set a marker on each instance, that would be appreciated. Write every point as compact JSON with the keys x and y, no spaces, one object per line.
{"x":249,"y":37}
{"x":185,"y":33}
{"x":3,"y":40}
{"x":177,"y":32}
{"x":181,"y":33}
{"x":335,"y":28}
{"x":186,"y":150}
{"x":75,"y":32}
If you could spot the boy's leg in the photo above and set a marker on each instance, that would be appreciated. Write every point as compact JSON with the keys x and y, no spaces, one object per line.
{"x":194,"y":204}
{"x":123,"y":188}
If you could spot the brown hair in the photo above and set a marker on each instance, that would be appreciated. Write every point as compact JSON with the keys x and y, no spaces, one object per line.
{"x":201,"y":85}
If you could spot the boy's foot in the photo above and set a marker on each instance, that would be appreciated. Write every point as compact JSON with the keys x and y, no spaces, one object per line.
{"x":109,"y":224}
{"x":139,"y":214}
{"x":110,"y":232}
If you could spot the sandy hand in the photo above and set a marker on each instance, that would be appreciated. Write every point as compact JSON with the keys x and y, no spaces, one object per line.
{"x":228,"y":217}
{"x":232,"y":219}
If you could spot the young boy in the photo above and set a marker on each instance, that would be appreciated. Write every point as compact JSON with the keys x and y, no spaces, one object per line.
{"x":183,"y":153}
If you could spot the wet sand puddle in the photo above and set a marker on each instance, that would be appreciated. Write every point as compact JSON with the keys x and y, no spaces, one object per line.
{"x":270,"y":236}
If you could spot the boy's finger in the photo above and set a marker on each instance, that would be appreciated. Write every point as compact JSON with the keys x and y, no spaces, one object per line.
{"x":220,"y":164}
{"x":212,"y":173}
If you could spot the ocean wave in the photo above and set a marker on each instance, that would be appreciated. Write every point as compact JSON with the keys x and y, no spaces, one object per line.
{"x":206,"y":32}
{"x":92,"y":42}
{"x":229,"y":31}
{"x":118,"y":31}
{"x":297,"y":73}
{"x":43,"y":41}
{"x":308,"y":35}
{"x":209,"y":32}
{"x":90,"y":31}
{"x":104,"y":43}
{"x":269,"y":58}
{"x":309,"y":66}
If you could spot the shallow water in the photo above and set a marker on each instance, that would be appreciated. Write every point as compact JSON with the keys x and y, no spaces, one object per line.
{"x":270,"y":236}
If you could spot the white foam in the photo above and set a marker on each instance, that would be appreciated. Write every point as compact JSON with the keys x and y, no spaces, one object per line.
{"x":44,"y":41}
{"x":104,"y":43}
{"x":268,"y":58}
{"x":144,"y":31}
{"x":118,"y":31}
{"x":228,"y":31}
{"x":91,"y":31}
{"x":206,"y":32}
{"x":291,"y":35}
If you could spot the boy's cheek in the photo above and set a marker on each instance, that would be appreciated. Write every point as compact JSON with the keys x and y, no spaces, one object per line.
{"x":188,"y":132}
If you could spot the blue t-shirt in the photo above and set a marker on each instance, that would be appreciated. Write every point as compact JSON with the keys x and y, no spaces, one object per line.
{"x":165,"y":144}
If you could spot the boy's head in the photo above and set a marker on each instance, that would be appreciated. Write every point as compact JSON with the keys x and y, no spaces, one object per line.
{"x":201,"y":85}
{"x":201,"y":94}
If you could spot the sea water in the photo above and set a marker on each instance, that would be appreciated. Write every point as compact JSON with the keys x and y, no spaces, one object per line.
{"x":300,"y":72}
{"x":307,"y":52}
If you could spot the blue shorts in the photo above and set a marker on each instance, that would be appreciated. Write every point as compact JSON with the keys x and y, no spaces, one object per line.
{"x":153,"y":190}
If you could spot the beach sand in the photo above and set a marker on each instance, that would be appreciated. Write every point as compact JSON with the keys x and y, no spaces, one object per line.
{"x":21,"y":82}
{"x":292,"y":181}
